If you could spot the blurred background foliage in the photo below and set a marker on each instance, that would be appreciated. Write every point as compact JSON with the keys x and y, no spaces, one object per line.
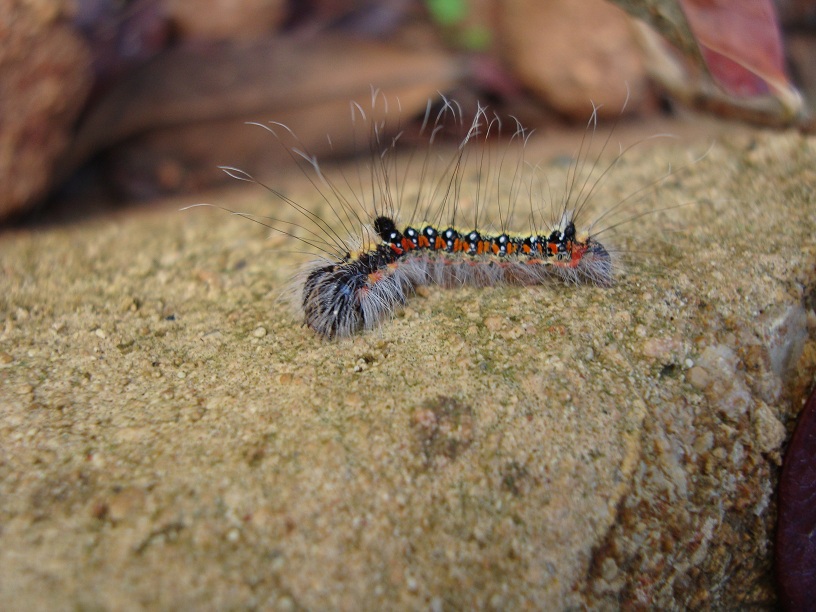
{"x":154,"y":92}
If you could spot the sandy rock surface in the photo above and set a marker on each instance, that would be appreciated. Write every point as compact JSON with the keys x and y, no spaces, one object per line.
{"x":170,"y":436}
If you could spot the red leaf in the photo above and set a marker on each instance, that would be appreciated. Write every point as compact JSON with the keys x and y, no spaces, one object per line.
{"x":796,"y":529}
{"x":740,"y":43}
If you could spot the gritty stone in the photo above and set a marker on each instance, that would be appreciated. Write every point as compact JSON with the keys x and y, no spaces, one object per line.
{"x":494,"y":324}
{"x":609,"y":571}
{"x":486,"y":470}
{"x":727,"y":388}
{"x":788,"y":334}
{"x":770,"y":432}
{"x":704,"y":442}
{"x":24,"y":389}
{"x":665,"y":350}
{"x":697,"y":377}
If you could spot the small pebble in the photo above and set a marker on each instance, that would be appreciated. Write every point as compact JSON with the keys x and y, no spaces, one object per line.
{"x":697,"y":377}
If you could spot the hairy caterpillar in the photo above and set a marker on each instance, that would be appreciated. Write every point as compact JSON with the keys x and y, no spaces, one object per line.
{"x":383,"y":242}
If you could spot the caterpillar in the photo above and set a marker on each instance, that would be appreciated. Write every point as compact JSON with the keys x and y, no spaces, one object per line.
{"x":372,"y":257}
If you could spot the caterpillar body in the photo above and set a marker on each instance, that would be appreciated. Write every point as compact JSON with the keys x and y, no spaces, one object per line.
{"x":362,"y":279}
{"x":361,"y":289}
